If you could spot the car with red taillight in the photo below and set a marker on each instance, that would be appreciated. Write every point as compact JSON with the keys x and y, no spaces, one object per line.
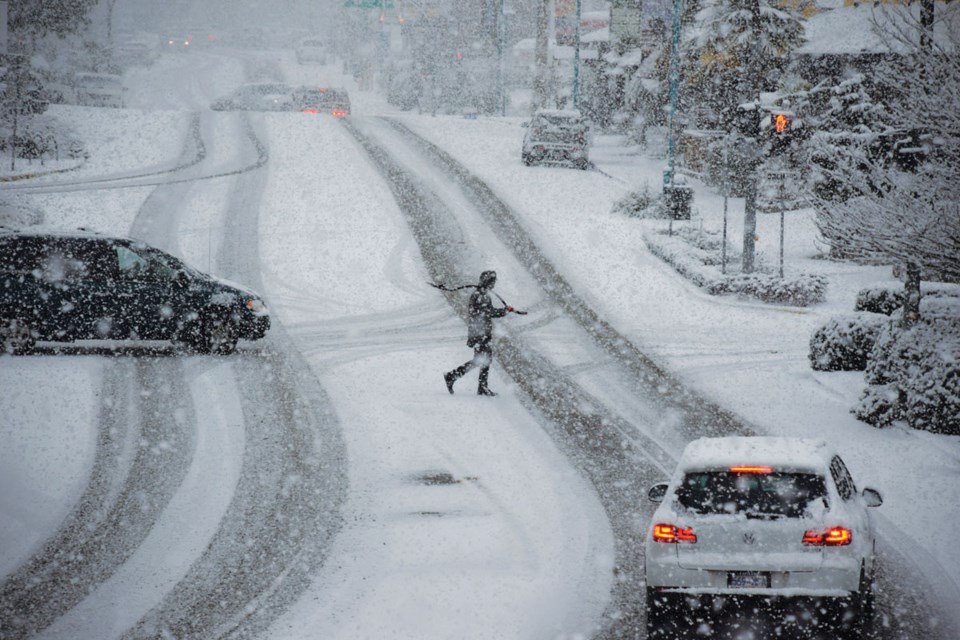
{"x":761,"y":518}
{"x":317,"y":100}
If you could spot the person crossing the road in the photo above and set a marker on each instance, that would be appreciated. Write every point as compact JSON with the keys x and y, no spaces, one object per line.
{"x":480,"y":334}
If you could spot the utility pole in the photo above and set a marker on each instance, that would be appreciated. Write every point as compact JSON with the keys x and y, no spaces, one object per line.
{"x":541,"y":54}
{"x":751,"y":126}
{"x":576,"y":60}
{"x":674,"y":82}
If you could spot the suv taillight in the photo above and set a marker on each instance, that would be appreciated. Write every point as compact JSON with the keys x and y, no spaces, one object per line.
{"x":832,"y":537}
{"x":671,"y":533}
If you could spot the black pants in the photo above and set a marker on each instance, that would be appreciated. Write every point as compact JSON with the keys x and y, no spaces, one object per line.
{"x":482,"y":357}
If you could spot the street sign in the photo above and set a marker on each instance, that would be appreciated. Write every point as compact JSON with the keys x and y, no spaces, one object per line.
{"x":368,"y":4}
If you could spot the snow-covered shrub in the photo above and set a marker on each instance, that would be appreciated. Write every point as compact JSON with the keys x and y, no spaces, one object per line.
{"x":844,"y":342}
{"x":641,"y":203}
{"x":880,"y":299}
{"x":887,"y":299}
{"x":799,"y":290}
{"x":696,"y":254}
{"x":913,"y":373}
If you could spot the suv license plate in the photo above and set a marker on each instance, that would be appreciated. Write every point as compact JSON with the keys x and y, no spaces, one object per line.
{"x":748,"y":580}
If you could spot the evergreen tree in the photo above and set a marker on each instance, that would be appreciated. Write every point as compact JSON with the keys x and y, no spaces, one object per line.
{"x":37,"y":18}
{"x":720,"y":47}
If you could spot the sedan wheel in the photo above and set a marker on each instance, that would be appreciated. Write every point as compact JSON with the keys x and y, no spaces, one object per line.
{"x":16,"y":337}
{"x":212,"y":333}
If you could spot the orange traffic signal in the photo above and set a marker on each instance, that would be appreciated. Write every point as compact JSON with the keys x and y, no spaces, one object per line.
{"x":781,"y":123}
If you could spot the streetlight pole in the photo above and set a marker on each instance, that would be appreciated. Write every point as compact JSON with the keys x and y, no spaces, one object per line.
{"x":501,"y":43}
{"x":576,"y":61}
{"x":674,"y":81}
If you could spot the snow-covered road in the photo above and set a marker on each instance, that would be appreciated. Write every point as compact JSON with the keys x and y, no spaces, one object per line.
{"x":323,"y":484}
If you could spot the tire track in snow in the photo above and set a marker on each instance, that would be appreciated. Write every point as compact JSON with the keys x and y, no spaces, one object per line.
{"x":145,"y":442}
{"x":286,"y":507}
{"x":620,"y":467}
{"x":140,"y":420}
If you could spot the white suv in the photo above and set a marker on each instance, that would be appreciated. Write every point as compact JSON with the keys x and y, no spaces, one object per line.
{"x":773,"y":520}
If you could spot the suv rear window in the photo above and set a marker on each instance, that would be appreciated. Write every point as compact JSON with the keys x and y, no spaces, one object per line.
{"x":775,"y":494}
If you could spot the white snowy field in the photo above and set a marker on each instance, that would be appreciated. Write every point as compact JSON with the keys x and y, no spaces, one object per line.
{"x":516,"y":544}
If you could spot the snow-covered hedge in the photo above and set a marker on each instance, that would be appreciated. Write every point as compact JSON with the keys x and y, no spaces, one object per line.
{"x":696,"y":254}
{"x":880,"y":299}
{"x":844,"y":342}
{"x":888,"y":298}
{"x":913,"y":374}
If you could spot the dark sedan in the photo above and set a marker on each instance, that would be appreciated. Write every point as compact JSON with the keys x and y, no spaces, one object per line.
{"x":65,"y":286}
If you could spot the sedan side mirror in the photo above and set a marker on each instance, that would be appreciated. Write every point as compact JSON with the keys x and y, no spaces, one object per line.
{"x":181,"y":279}
{"x":657,"y":492}
{"x":872,"y":497}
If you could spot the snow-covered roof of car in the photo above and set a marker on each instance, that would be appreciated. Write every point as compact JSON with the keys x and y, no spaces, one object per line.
{"x":55,"y":232}
{"x":561,"y":113}
{"x":794,"y":454}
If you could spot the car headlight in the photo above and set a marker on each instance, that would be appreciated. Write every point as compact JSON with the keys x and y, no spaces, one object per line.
{"x":256,"y":306}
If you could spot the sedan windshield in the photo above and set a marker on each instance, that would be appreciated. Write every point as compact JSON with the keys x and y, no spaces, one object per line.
{"x":754,"y":494}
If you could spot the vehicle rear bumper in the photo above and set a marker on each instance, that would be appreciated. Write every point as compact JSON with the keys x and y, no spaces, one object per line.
{"x":549,"y":151}
{"x":669,"y":612}
{"x":834,"y":575}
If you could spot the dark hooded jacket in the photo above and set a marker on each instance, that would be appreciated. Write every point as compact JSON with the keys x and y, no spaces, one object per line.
{"x":482,"y":313}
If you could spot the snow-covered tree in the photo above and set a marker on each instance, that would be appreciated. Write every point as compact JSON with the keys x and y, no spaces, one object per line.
{"x":842,"y":114}
{"x":728,"y":55}
{"x":735,"y":50}
{"x":41,"y":17}
{"x":899,"y":182}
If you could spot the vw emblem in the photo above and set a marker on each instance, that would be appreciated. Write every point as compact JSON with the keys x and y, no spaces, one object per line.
{"x":749,"y":538}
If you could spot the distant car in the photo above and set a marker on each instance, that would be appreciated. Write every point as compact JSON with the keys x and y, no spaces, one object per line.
{"x":311,"y":49}
{"x":776,"y":519}
{"x":334,"y":102}
{"x":263,"y":96}
{"x":556,"y":136}
{"x":64,"y":286}
{"x":99,"y":90}
{"x":176,"y":41}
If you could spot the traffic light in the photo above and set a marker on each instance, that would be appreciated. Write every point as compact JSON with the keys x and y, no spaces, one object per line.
{"x":781,"y":122}
{"x":782,"y":130}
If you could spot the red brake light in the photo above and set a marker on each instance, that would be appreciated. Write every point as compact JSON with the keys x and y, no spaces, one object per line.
{"x":751,"y":469}
{"x":338,"y":113}
{"x":671,"y":533}
{"x":832,"y":537}
{"x":310,"y":110}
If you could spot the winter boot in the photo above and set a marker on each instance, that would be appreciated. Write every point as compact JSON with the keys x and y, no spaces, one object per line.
{"x":449,"y":378}
{"x":485,"y":391}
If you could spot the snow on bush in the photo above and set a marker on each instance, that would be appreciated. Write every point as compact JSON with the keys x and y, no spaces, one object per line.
{"x":913,"y":373}
{"x":642,"y":203}
{"x":844,"y":342}
{"x":880,"y":299}
{"x":696,"y":254}
{"x":886,"y":299}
